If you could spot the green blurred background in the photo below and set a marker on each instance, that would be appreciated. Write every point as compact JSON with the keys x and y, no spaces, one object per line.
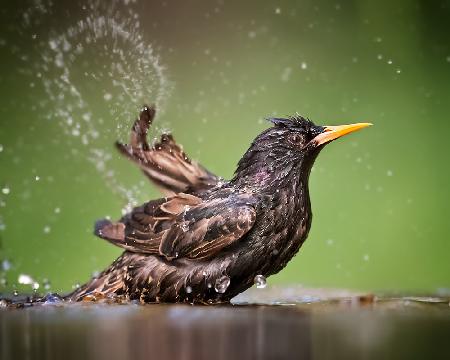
{"x":380,"y":197}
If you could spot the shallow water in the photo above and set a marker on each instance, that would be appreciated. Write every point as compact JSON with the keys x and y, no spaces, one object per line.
{"x":271,"y":324}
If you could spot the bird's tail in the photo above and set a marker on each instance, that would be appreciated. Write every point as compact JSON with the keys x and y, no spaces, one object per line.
{"x":109,"y":282}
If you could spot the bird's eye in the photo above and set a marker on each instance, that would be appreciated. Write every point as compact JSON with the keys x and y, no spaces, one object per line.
{"x":295,"y":139}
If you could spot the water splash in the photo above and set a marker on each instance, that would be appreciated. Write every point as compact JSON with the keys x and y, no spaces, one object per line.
{"x":96,"y":70}
{"x":52,"y":298}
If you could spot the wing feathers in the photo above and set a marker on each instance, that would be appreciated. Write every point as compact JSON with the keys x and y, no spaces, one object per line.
{"x":164,"y":163}
{"x":182,"y":226}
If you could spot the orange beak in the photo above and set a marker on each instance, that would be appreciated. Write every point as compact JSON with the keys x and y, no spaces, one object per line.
{"x":333,"y":132}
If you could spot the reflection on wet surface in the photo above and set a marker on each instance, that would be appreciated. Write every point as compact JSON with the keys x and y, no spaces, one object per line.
{"x":330,"y":325}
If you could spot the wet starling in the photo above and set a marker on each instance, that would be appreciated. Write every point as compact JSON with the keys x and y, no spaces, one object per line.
{"x":208,"y":239}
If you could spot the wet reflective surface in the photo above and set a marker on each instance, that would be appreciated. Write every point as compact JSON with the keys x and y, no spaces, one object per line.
{"x":311,"y":324}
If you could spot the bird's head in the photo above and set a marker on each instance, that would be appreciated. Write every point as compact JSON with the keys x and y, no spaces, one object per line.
{"x":289,"y":147}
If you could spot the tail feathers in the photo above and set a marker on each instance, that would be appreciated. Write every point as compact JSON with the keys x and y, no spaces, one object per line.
{"x":111,"y":281}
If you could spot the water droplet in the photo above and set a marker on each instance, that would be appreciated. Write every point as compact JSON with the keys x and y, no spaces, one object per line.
{"x":6,"y":265}
{"x":366,"y":257}
{"x":86,"y":116}
{"x":222,"y":284}
{"x":15,"y":292}
{"x":277,"y":11}
{"x":53,"y":45}
{"x":35,"y":285}
{"x":6,"y":190}
{"x":25,"y":279}
{"x":47,"y":229}
{"x":57,"y":210}
{"x":303,"y":66}
{"x":389,"y":173}
{"x":286,"y":74}
{"x":1,"y":147}
{"x":37,"y":178}
{"x":260,"y":281}
{"x":46,"y":283}
{"x":188,"y":289}
{"x":107,"y":96}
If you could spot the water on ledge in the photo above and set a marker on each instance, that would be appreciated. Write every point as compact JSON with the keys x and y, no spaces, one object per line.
{"x":275,"y":323}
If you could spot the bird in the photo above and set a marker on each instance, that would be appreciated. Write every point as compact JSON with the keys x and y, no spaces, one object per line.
{"x":208,"y":239}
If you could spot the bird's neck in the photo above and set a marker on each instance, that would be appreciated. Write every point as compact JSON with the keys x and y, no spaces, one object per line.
{"x":267,"y":179}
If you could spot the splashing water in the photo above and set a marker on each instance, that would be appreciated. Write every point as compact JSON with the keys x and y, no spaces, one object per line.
{"x":97,"y":72}
{"x":52,"y":298}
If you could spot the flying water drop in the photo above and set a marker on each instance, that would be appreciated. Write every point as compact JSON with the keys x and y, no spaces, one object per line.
{"x":6,"y":265}
{"x":46,"y":283}
{"x":25,"y":279}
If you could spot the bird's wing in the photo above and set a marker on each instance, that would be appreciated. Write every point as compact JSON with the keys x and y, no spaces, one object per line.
{"x":183,"y":226}
{"x":165,"y":163}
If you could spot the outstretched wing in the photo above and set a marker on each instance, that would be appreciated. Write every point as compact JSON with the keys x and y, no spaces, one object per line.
{"x":182,"y":226}
{"x":165,"y":163}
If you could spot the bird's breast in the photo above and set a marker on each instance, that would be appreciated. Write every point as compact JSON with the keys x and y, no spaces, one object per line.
{"x":283,"y":223}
